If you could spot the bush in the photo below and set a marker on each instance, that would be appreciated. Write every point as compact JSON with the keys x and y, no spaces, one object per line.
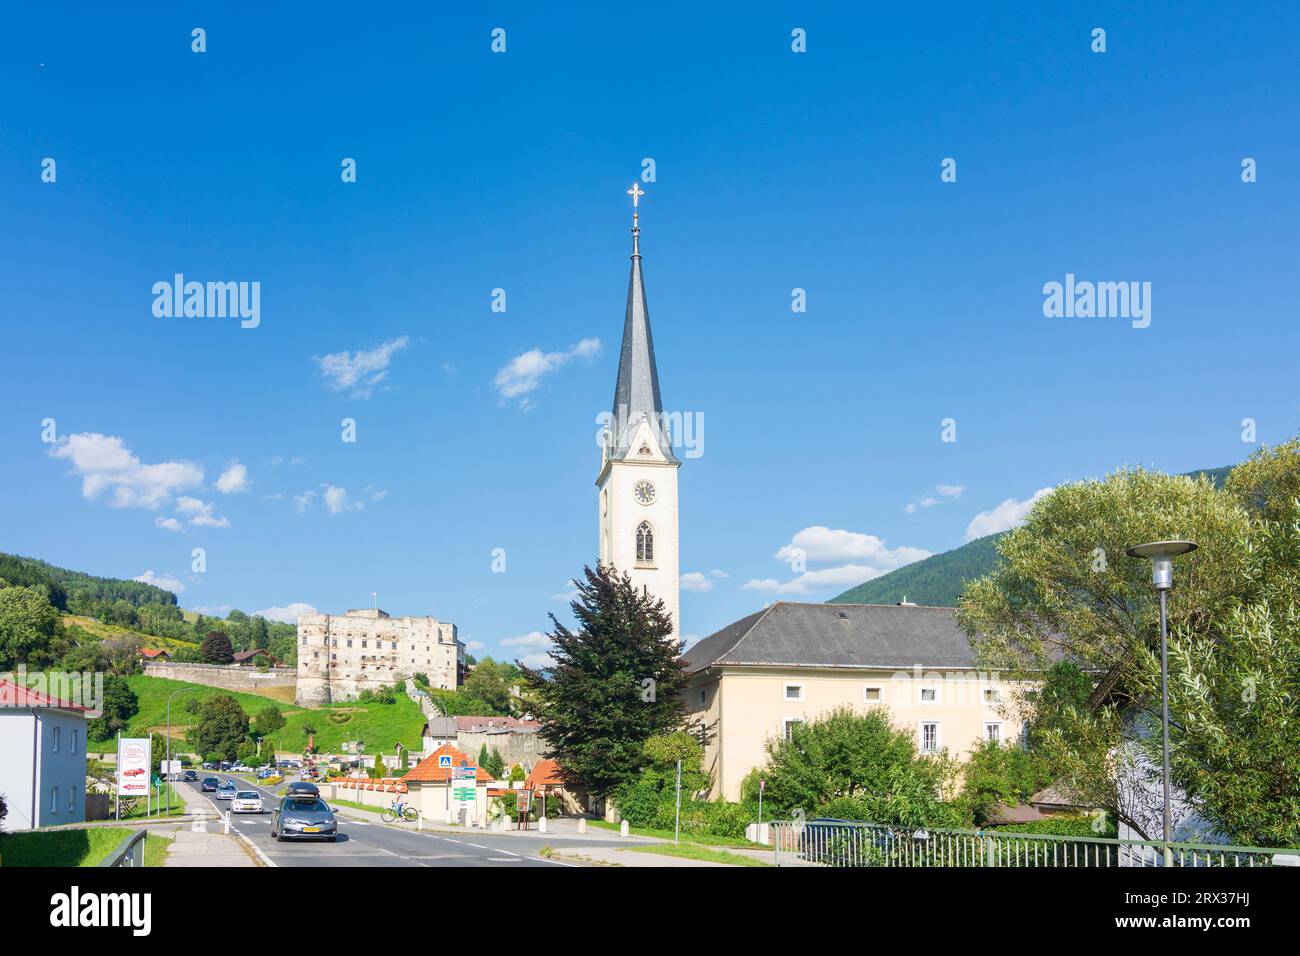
{"x":1073,"y":826}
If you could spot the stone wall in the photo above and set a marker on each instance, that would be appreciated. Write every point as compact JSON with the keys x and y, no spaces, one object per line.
{"x":515,"y":746}
{"x":227,"y":677}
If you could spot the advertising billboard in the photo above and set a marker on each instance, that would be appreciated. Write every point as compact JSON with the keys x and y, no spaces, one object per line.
{"x":133,"y":767}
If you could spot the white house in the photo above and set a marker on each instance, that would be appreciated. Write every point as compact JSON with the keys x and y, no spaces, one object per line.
{"x":42,"y":758}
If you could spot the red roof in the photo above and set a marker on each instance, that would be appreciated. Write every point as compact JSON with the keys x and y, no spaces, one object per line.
{"x":547,"y":773}
{"x":153,"y":651}
{"x":428,"y":771}
{"x":12,"y":695}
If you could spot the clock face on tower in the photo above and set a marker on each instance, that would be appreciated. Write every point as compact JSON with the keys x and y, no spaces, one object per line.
{"x":644,"y":492}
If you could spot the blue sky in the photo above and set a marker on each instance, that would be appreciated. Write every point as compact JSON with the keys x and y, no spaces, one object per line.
{"x":476,"y":171}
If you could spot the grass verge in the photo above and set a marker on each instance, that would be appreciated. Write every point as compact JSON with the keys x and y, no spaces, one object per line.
{"x":86,"y":847}
{"x":684,"y":838}
{"x":155,"y":849}
{"x":692,"y":851}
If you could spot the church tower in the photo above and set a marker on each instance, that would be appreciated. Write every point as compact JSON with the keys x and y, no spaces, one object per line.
{"x":637,"y":484}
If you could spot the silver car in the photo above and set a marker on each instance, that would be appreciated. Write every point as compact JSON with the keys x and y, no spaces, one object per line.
{"x":303,"y":817}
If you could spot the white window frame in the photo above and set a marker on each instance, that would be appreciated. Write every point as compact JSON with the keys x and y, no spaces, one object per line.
{"x":998,"y":725}
{"x":75,"y":734}
{"x":938,"y":735}
{"x":785,"y":726}
{"x":921,"y":695}
{"x":785,"y":692}
{"x":997,"y":696}
{"x":56,"y":738}
{"x":54,"y":799}
{"x":880,"y":691}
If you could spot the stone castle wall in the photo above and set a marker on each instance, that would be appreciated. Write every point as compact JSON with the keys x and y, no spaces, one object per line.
{"x":227,"y":676}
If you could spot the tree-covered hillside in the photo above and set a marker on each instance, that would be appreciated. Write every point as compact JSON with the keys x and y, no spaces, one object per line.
{"x":935,"y":581}
{"x":76,"y":587}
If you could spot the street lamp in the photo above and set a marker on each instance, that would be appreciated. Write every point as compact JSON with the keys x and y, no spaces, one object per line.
{"x":1162,"y":554}
{"x":167,"y":777}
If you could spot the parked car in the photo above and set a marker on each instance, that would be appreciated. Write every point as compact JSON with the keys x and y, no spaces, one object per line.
{"x":246,"y":801}
{"x":209,"y":784}
{"x":226,"y":791}
{"x":190,"y":775}
{"x":207,"y":765}
{"x":303,"y":816}
{"x":302,"y":787}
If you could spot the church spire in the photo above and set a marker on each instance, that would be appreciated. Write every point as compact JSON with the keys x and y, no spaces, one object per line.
{"x":636,"y":394}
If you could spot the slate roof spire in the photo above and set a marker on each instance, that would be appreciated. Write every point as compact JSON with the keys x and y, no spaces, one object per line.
{"x":636,"y":394}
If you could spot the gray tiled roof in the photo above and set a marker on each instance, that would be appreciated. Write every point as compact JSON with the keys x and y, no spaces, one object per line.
{"x":838,"y":635}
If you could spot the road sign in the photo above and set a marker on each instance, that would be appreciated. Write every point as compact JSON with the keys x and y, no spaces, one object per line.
{"x":444,"y":760}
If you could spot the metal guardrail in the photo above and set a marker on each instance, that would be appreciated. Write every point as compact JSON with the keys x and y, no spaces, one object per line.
{"x":852,"y":844}
{"x":130,"y":852}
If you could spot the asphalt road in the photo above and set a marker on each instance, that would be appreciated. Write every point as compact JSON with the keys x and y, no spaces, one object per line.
{"x":373,"y":844}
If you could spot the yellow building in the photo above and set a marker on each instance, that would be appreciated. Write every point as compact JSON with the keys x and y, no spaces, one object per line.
{"x":792,"y":662}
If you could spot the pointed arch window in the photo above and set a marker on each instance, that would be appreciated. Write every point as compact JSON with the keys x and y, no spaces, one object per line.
{"x":645,"y":543}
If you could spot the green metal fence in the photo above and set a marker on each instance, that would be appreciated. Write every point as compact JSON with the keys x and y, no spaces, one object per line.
{"x":851,"y":844}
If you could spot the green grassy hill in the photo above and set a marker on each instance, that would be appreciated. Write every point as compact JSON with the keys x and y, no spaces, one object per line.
{"x":938,"y":580}
{"x":379,"y":725}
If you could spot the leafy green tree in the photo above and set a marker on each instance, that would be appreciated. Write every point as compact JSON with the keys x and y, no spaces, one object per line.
{"x":999,"y":773}
{"x":216,"y":649}
{"x":494,"y":764}
{"x":221,"y":728}
{"x":1234,"y":643}
{"x":862,"y":767}
{"x":615,"y":682}
{"x":119,"y":705}
{"x":268,"y":720}
{"x":27,"y":622}
{"x":491,"y":681}
{"x":1065,"y":585}
{"x":378,"y":769}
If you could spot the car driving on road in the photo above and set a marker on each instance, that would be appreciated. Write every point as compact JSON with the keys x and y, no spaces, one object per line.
{"x":209,"y":784}
{"x":226,"y":791}
{"x":190,"y":776}
{"x":303,"y":816}
{"x":246,"y":801}
{"x":301,"y":787}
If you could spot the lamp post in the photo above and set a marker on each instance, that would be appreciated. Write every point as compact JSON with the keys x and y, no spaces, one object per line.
{"x":167,"y":777}
{"x":1162,"y":554}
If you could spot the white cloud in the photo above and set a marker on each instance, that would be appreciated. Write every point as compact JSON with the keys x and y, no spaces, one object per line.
{"x":522,"y":375}
{"x":200,"y":513}
{"x":303,"y":501}
{"x":337,"y":501}
{"x":822,"y":545}
{"x":105,"y":463}
{"x":234,"y":479}
{"x":359,"y":372}
{"x":164,"y":581}
{"x":167,"y":524}
{"x":941,"y":495}
{"x":474,"y":646}
{"x":536,"y":644}
{"x":695,"y":581}
{"x":719,"y":573}
{"x":1006,"y":515}
{"x":287,"y":614}
{"x":852,"y":557}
